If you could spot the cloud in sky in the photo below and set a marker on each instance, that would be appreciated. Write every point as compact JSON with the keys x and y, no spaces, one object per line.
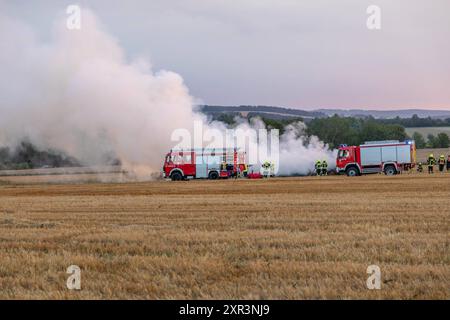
{"x":304,"y":54}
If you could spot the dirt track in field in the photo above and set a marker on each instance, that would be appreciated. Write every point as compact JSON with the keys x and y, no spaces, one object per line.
{"x":286,"y":238}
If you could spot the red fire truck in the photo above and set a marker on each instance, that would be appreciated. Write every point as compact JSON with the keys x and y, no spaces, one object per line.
{"x":204,"y":163}
{"x":390,"y":157}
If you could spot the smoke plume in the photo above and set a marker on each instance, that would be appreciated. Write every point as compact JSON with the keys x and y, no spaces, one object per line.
{"x":79,"y":94}
{"x":298,"y":153}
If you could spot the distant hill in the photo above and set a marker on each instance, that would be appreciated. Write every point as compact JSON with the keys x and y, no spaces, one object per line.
{"x":279,"y":113}
{"x":270,"y":112}
{"x":388,"y":114}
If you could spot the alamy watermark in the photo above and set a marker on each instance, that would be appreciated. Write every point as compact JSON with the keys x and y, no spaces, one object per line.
{"x":74,"y":280}
{"x":374,"y":20}
{"x":374,"y":280}
{"x":73,"y":21}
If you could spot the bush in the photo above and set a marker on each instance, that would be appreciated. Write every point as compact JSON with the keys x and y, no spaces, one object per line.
{"x":419,"y":139}
{"x":443,"y":140}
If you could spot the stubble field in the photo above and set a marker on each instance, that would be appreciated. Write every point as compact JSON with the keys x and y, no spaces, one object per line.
{"x":284,"y":238}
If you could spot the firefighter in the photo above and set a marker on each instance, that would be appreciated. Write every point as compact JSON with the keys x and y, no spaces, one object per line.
{"x":266,"y":166}
{"x":441,"y":163}
{"x":324,"y":168}
{"x":245,"y":171}
{"x":420,"y":167}
{"x":431,"y":162}
{"x":272,"y":169}
{"x":318,"y":167}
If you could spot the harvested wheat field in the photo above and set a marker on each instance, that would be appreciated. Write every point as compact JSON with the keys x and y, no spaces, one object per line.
{"x":284,"y":238}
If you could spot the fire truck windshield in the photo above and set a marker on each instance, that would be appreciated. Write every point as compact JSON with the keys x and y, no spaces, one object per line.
{"x":343,"y":154}
{"x":179,"y":158}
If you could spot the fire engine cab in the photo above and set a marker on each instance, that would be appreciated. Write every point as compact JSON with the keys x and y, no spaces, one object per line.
{"x":390,"y":157}
{"x":204,"y":164}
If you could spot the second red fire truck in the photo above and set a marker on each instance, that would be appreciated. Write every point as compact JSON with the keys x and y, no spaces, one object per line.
{"x":390,"y":157}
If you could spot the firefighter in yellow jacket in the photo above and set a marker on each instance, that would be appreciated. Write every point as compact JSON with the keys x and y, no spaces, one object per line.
{"x":268,"y":169}
{"x":324,"y":168}
{"x":318,"y":167}
{"x":431,"y":161}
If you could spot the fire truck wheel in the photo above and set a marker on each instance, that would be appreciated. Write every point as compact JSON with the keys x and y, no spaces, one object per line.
{"x":176,"y":176}
{"x":213,"y":175}
{"x":352,"y":172}
{"x":390,"y":170}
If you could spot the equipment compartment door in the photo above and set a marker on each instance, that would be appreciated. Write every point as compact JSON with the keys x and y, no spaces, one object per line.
{"x":201,"y":168}
{"x":389,"y":154}
{"x":404,"y":154}
{"x":370,"y":156}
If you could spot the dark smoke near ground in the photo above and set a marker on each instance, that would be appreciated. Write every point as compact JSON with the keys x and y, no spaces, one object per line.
{"x":28,"y":156}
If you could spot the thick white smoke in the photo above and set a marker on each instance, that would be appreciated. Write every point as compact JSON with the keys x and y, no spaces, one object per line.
{"x":298,"y":154}
{"x":295,"y":154}
{"x":79,"y":94}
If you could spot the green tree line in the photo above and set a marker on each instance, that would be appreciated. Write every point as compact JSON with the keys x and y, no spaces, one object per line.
{"x":442,"y":140}
{"x":338,"y":130}
{"x":416,"y":121}
{"x":353,"y":131}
